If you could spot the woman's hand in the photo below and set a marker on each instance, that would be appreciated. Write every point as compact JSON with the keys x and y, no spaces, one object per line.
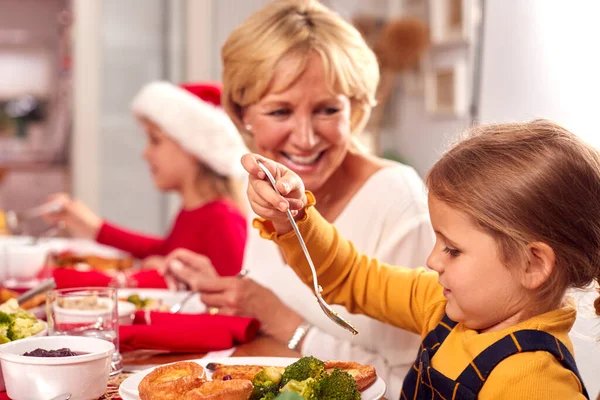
{"x":77,"y":218}
{"x":265,"y":201}
{"x":153,"y":262}
{"x":232,"y":295}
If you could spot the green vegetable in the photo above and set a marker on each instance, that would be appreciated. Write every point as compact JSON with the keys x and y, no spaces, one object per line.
{"x":289,"y":395}
{"x":137,"y":301}
{"x":25,"y":327}
{"x":16,"y":323}
{"x":304,"y":368}
{"x":339,"y":385}
{"x":306,"y":389}
{"x":266,"y":383}
{"x":6,"y":324}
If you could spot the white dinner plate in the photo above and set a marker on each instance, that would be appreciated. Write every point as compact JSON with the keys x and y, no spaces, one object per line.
{"x":192,"y":306}
{"x":129,"y":388}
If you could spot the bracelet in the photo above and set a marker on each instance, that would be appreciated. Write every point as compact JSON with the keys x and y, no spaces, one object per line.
{"x":298,"y":335}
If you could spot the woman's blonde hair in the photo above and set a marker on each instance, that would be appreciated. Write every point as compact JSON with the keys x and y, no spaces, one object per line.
{"x":525,"y":183}
{"x":297,"y":28}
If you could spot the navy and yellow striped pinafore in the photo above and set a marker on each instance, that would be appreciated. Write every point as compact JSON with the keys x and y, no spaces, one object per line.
{"x":423,"y":382}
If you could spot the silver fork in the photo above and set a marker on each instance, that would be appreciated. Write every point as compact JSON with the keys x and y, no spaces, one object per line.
{"x":15,"y":219}
{"x":330,"y":312}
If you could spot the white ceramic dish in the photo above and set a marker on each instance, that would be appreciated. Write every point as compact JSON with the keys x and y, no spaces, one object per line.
{"x":44,"y":332}
{"x":125,"y":309}
{"x":30,"y":378}
{"x":128,"y":389}
{"x":193,"y":306}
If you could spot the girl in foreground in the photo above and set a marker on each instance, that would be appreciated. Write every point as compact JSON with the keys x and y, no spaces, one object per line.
{"x":517,"y":222}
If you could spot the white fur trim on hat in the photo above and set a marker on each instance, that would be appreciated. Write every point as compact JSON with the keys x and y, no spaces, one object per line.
{"x":199,"y":127}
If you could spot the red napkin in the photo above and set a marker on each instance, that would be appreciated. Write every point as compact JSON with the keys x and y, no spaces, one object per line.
{"x":148,"y":279}
{"x":179,"y":339}
{"x":68,"y":278}
{"x":187,"y":332}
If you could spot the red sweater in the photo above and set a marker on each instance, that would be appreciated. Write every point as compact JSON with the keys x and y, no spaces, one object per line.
{"x":216,"y":230}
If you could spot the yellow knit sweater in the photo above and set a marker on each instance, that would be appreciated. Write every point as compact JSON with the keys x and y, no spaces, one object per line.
{"x":413,"y":300}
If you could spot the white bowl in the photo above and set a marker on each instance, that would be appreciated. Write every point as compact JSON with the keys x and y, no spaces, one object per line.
{"x":22,"y":261}
{"x":125,"y":309}
{"x":126,"y":312}
{"x":44,"y":332}
{"x":30,"y":378}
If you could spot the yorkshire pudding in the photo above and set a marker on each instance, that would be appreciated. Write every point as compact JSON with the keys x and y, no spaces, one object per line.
{"x":237,"y":371}
{"x":232,"y":389}
{"x":171,"y":382}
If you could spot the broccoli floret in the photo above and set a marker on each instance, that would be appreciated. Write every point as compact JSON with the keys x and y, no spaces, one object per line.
{"x":304,"y":368}
{"x":339,"y":385}
{"x":266,"y":382}
{"x":6,"y":325}
{"x":24,"y":327}
{"x":289,"y":395}
{"x":306,"y":388}
{"x":269,"y":396}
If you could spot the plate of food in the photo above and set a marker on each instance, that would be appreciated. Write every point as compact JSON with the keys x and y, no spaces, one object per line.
{"x":161,"y":300}
{"x":256,"y":378}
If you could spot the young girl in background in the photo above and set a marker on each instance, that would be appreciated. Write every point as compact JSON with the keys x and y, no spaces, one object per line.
{"x":517,"y":220}
{"x":193,"y":149}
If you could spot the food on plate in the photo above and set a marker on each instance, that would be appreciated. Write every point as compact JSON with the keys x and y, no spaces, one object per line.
{"x":69,"y":259}
{"x":7,"y":294}
{"x":308,"y":378}
{"x":64,"y":352}
{"x":172,"y":381}
{"x":148,"y":303}
{"x":238,"y":371}
{"x":364,"y":375}
{"x":17,"y":323}
{"x":231,"y":389}
{"x":83,"y":303}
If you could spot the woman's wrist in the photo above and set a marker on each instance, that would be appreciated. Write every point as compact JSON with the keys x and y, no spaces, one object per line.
{"x":297,"y":339}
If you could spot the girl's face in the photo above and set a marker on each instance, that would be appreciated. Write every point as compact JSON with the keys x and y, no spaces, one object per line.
{"x":170,"y":165}
{"x":304,"y":126}
{"x":481,"y":291}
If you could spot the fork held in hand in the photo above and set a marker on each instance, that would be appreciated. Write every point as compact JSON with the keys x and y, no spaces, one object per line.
{"x":330,"y":312}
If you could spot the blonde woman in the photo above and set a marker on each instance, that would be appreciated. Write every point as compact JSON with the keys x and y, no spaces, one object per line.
{"x":299,"y":83}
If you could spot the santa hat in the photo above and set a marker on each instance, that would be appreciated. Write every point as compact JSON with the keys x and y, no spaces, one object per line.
{"x":190,"y":114}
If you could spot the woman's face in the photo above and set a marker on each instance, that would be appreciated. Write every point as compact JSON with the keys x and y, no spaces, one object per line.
{"x":303,"y":126}
{"x":169,"y":164}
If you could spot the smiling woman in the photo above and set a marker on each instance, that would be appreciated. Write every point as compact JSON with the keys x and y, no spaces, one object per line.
{"x":299,"y":83}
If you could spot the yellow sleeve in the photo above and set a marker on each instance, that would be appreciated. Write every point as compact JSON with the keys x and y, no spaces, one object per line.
{"x":531,"y":376}
{"x":396,"y":295}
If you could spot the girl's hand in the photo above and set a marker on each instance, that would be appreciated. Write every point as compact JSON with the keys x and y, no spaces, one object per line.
{"x":77,"y":218}
{"x":265,"y":201}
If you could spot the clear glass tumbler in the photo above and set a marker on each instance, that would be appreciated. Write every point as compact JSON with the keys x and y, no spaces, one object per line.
{"x":86,"y":311}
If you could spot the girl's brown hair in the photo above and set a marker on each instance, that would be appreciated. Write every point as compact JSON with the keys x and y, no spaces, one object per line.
{"x":530,"y":182}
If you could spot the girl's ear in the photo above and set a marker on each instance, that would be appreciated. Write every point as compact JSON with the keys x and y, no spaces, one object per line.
{"x":540,"y":264}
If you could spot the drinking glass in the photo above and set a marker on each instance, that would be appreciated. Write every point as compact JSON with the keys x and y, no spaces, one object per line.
{"x":86,"y":311}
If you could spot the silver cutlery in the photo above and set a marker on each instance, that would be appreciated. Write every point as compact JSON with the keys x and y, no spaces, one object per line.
{"x":48,"y":284}
{"x":330,"y":312}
